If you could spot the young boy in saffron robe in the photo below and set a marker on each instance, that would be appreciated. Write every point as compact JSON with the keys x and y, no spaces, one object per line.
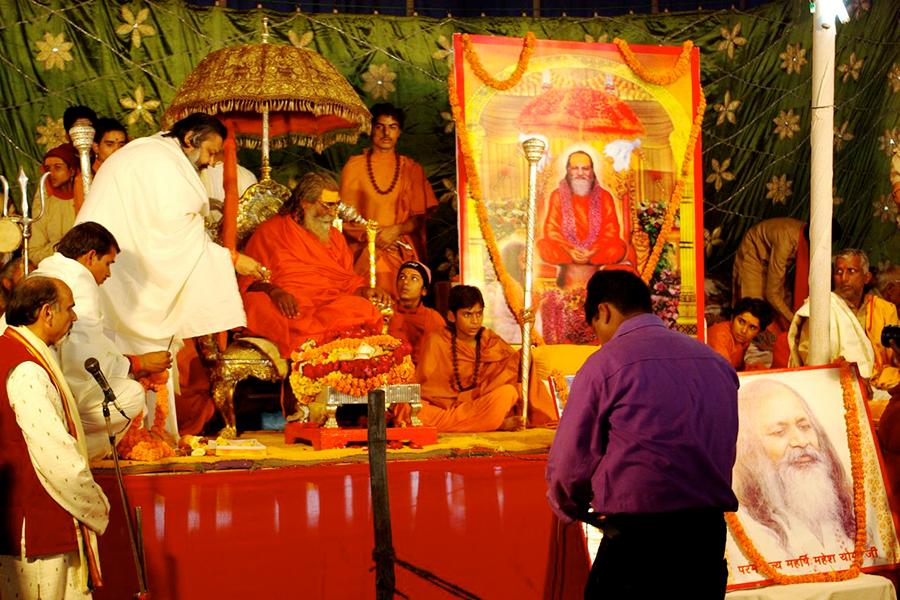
{"x":412,"y":320}
{"x":732,"y":338}
{"x":469,"y":376}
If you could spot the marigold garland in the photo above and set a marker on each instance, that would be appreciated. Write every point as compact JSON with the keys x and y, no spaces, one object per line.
{"x":336,"y":364}
{"x":521,"y":66}
{"x":140,"y":444}
{"x":677,"y":193}
{"x":512,"y":291}
{"x":657,"y":77}
{"x":562,"y":386}
{"x":854,"y":439}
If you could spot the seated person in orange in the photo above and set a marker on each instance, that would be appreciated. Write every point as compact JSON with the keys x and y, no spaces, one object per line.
{"x":732,"y":338}
{"x":581,"y":232}
{"x":312,"y":288}
{"x":468,"y":375}
{"x":413,"y":320}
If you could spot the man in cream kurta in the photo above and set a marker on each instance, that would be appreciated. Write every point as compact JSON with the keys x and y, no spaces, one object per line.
{"x":172,"y":281}
{"x":82,"y":260}
{"x":43,"y":405}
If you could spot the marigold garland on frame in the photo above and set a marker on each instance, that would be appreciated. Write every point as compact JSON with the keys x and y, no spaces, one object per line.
{"x":522,"y":65}
{"x":854,"y":440}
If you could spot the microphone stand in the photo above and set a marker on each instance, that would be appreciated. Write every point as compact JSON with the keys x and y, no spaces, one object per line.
{"x":134,"y":529}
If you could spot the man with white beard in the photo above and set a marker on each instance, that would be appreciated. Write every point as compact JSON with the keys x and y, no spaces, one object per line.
{"x":313,"y":290}
{"x":581,"y":231}
{"x":795,"y":497}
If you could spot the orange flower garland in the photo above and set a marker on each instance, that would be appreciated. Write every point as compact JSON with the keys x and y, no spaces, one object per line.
{"x":512,"y":291}
{"x":315,"y":367}
{"x":659,"y":78}
{"x":682,"y":65}
{"x":854,"y":439}
{"x":140,"y":444}
{"x":677,"y":193}
{"x":477,"y":68}
{"x":561,"y":385}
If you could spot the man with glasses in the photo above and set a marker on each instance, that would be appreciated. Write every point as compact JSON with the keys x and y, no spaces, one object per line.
{"x":312,"y":289}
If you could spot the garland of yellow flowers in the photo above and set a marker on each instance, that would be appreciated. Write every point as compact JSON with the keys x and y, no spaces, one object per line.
{"x":511,"y":289}
{"x":854,"y":439}
{"x":477,"y":68}
{"x":562,"y":386}
{"x":666,"y":78}
{"x":140,"y":444}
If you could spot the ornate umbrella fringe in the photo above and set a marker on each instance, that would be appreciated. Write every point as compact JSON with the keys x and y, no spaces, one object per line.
{"x":316,"y":142}
{"x":293,"y":105}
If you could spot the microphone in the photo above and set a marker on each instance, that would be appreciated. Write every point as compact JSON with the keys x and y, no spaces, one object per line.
{"x":92,"y":366}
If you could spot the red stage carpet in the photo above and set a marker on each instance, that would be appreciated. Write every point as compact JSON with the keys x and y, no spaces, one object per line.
{"x":478,"y":520}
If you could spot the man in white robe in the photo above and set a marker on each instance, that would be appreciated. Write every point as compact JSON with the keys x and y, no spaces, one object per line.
{"x":82,"y":260}
{"x":172,"y":281}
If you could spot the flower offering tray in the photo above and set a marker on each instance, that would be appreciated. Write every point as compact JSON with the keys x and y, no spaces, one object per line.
{"x":329,"y":435}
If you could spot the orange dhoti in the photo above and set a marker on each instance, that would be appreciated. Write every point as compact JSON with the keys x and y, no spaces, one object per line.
{"x":319,"y":275}
{"x":496,"y":391}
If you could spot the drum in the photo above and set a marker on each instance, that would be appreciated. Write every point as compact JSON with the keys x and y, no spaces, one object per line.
{"x":10,"y":235}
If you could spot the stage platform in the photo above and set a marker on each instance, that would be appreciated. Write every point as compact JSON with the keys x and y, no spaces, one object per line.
{"x":470,"y":511}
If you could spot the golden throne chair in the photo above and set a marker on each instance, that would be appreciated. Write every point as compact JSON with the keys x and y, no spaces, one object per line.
{"x":243,"y":357}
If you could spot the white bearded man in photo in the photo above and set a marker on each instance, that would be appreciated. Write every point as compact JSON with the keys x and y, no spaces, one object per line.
{"x":51,"y":509}
{"x":172,"y":281}
{"x":795,"y":497}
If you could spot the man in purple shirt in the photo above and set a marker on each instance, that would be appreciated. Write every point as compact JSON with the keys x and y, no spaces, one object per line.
{"x":645,"y":450}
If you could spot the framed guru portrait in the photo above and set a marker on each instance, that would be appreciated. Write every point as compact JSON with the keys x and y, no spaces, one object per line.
{"x":809,"y":480}
{"x":619,"y":185}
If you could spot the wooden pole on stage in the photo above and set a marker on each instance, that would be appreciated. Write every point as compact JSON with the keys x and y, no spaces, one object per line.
{"x":383,"y":554}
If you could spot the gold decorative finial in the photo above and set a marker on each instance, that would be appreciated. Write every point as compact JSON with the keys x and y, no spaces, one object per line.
{"x":265,"y":30}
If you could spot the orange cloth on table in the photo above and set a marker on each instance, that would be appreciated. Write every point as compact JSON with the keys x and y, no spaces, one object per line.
{"x":193,"y":403}
{"x":607,"y":248}
{"x":412,"y":196}
{"x":480,"y":409}
{"x":320,"y":276}
{"x":720,"y":339}
{"x":414,"y":324}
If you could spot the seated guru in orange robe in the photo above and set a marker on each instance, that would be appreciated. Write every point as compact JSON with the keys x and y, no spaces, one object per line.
{"x":732,"y":338}
{"x":413,"y":320}
{"x":469,"y":376}
{"x":312,"y":288}
{"x":391,"y":190}
{"x":581,"y":232}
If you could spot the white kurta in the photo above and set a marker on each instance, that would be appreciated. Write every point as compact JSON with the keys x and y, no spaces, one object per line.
{"x":87,"y":339}
{"x":170,"y":278}
{"x":59,"y":460}
{"x":848,"y":338}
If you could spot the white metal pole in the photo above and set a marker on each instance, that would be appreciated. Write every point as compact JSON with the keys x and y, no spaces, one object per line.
{"x":534,"y":151}
{"x":821,"y":175}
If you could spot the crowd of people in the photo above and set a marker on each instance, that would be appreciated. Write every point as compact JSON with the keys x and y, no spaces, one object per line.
{"x":129,"y":274}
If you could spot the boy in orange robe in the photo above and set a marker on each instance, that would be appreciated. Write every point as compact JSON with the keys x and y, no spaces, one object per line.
{"x":393,"y":191}
{"x":413,"y":320}
{"x":732,"y":338}
{"x":469,"y":376}
{"x":312,"y":289}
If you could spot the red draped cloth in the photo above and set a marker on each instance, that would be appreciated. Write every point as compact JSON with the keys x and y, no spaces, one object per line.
{"x":319,"y":275}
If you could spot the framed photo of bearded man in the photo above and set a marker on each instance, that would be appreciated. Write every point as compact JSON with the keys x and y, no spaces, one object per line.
{"x":807,"y":469}
{"x":619,"y":186}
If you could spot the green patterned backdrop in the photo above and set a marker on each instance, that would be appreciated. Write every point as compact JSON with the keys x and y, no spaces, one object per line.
{"x":127,"y":60}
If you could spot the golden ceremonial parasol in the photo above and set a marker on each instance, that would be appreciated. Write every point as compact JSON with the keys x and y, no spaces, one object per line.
{"x":263,"y":92}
